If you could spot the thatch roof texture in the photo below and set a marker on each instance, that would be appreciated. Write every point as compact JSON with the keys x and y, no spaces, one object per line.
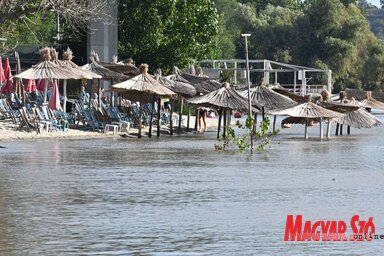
{"x":225,"y":97}
{"x":266,"y":97}
{"x":370,"y":102}
{"x":359,"y":119}
{"x":143,"y":85}
{"x":47,"y":69}
{"x":307,"y":110}
{"x":281,"y":90}
{"x":361,"y":95}
{"x":105,"y":73}
{"x":202,"y":84}
{"x":67,"y":60}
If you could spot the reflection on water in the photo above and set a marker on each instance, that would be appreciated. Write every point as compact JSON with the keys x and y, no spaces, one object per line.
{"x":177,"y":196}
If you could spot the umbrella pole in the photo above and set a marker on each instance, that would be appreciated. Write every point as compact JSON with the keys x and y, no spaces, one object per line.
{"x":254,"y":124}
{"x":329,"y":128}
{"x":197,"y":118}
{"x":219,"y":124}
{"x":337,"y":129}
{"x":274,"y":123}
{"x":158,"y":116}
{"x":341,"y":129}
{"x":306,"y":129}
{"x":349,"y":130}
{"x":224,"y":123}
{"x":150,"y":120}
{"x":170,"y":118}
{"x":141,"y":113}
{"x":181,"y":113}
{"x":45,"y":90}
{"x":321,"y":128}
{"x":65,"y":95}
{"x":189,"y":117}
{"x":263,"y":113}
{"x":98,"y":90}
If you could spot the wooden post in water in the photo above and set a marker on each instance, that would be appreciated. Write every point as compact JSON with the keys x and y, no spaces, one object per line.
{"x":170,"y":118}
{"x":306,"y":129}
{"x":219,"y":124}
{"x":328,"y":128}
{"x":224,"y":123}
{"x":337,"y":129}
{"x":274,"y":123}
{"x":151,"y":119}
{"x":181,"y":112}
{"x":189,"y":117}
{"x":140,"y":113}
{"x":197,"y":118}
{"x":158,"y":116}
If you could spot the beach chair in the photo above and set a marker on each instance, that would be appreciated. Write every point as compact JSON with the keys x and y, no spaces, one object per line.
{"x":27,"y":121}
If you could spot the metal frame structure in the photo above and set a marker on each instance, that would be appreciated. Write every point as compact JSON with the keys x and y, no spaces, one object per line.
{"x":269,"y":66}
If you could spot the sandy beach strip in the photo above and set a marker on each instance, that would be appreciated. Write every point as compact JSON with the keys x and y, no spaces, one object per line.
{"x":11,"y":132}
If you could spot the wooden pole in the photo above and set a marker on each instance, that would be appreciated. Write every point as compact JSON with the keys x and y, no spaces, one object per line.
{"x":98,"y":92}
{"x":274,"y":123}
{"x":158,"y":116}
{"x":254,"y":128}
{"x":219,"y":124}
{"x":140,"y":113}
{"x":181,"y":113}
{"x":349,"y":129}
{"x":225,"y":123}
{"x":196,"y":119}
{"x":306,"y":129}
{"x":341,"y":129}
{"x":337,"y":129}
{"x":328,"y":128}
{"x":170,"y":118}
{"x":189,"y":117}
{"x":150,"y":120}
{"x":321,"y":128}
{"x":65,"y":95}
{"x":45,"y":90}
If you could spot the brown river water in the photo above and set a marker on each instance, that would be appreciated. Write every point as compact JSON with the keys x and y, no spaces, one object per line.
{"x":178,"y":196}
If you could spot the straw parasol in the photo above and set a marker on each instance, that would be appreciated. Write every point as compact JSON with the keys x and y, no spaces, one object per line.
{"x":46,"y":70}
{"x":67,"y":61}
{"x":269,"y":99}
{"x":359,"y":118}
{"x":142,"y":88}
{"x":308,"y":110}
{"x":202,"y":84}
{"x":128,"y":69}
{"x":370,"y":102}
{"x":281,"y":90}
{"x":223,"y":98}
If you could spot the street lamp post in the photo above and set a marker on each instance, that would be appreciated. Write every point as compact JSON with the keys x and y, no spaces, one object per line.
{"x":248,"y":82}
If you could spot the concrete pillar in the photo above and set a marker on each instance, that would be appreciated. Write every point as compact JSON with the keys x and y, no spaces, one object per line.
{"x":102,"y":37}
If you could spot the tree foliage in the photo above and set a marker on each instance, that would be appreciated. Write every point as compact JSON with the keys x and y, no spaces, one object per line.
{"x":164,"y":33}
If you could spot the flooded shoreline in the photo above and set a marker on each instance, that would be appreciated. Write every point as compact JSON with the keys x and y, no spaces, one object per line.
{"x":178,"y":196}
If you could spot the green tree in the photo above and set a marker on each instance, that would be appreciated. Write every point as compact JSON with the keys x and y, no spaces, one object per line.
{"x":164,"y":33}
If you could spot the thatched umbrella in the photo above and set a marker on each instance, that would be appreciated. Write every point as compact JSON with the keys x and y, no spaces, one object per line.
{"x":370,"y":102}
{"x":143,"y":88}
{"x":293,"y":96}
{"x":46,"y":70}
{"x":308,"y":110}
{"x":269,"y":99}
{"x":105,"y":73}
{"x":202,"y":84}
{"x":223,"y":98}
{"x":359,"y":118}
{"x":128,"y":69}
{"x":183,"y":90}
{"x":67,"y":60}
